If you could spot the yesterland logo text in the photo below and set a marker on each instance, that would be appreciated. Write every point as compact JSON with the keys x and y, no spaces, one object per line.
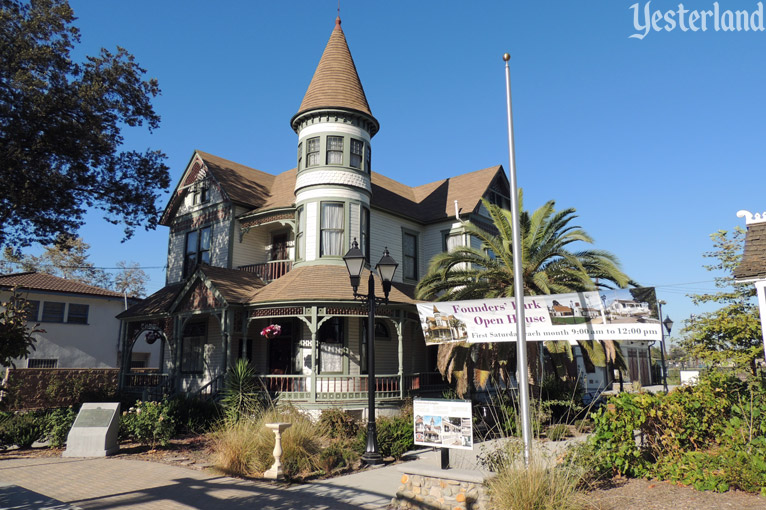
{"x":646,"y":19}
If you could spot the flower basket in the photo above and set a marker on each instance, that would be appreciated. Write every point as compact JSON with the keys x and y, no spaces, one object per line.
{"x":271,"y":331}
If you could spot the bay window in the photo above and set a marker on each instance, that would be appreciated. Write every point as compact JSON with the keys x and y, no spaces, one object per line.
{"x":357,"y":146}
{"x":334,"y":150}
{"x":331,"y":225}
{"x":312,"y":151}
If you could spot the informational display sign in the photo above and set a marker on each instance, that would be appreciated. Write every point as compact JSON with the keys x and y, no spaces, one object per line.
{"x":94,"y":432}
{"x":624,"y":314}
{"x":443,"y":423}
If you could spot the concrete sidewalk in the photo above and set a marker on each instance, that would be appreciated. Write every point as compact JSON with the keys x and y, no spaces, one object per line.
{"x":67,"y":483}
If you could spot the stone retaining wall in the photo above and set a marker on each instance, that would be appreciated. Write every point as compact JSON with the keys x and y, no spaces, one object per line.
{"x":41,"y":388}
{"x":429,"y":488}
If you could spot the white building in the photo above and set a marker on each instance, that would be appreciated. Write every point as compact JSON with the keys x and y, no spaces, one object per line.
{"x":79,"y":322}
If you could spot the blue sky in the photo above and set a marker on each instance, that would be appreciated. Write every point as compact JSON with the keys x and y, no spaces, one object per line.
{"x":656,"y":142}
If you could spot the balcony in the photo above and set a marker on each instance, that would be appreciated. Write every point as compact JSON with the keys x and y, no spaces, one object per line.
{"x":269,"y":271}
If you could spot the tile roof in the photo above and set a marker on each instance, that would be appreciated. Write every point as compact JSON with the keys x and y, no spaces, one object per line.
{"x":335,"y":82}
{"x":324,"y":283}
{"x":42,"y":281}
{"x":753,"y":264}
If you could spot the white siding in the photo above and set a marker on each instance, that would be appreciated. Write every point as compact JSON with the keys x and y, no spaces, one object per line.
{"x":252,"y":248}
{"x":91,"y":345}
{"x":311,"y":235}
{"x":386,"y":231}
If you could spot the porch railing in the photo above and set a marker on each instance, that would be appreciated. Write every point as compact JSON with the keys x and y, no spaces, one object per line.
{"x":350,"y":387}
{"x":269,"y":271}
{"x":145,"y":378}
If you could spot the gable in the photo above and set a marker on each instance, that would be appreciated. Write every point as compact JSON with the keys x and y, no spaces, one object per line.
{"x":199,"y":298}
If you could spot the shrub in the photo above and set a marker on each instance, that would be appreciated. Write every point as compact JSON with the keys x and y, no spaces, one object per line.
{"x":711,"y":435}
{"x":336,"y":423}
{"x":58,"y":424}
{"x":235,"y":447}
{"x":23,"y":429}
{"x":193,"y":414}
{"x":536,"y":486}
{"x":395,"y":435}
{"x":240,"y":396}
{"x":244,"y":447}
{"x":149,"y":423}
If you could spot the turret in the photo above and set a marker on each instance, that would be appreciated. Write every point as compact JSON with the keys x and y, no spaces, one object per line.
{"x":332,"y":189}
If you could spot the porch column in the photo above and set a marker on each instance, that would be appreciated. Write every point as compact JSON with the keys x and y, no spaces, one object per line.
{"x":178,"y":333}
{"x":760,"y":288}
{"x":400,"y":347}
{"x":225,"y":330}
{"x":314,"y":364}
{"x":124,"y":326}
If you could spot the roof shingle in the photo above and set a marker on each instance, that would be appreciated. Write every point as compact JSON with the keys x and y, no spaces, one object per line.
{"x":335,"y":82}
{"x":753,"y":264}
{"x":42,"y":281}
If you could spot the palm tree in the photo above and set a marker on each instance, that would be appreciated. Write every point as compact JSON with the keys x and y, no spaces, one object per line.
{"x":550,"y":267}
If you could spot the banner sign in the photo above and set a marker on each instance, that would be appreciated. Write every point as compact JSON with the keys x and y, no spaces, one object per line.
{"x":623,"y":314}
{"x":443,"y":423}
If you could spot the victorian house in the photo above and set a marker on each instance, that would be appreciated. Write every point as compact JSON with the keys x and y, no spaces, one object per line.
{"x":249,"y":249}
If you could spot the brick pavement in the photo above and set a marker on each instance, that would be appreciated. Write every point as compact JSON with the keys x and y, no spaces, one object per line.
{"x":44,"y":483}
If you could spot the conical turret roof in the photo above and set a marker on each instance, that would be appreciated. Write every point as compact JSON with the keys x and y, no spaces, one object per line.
{"x":335,"y":83}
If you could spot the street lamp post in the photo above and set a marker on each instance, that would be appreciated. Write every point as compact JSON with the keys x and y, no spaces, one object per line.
{"x":386,"y":267}
{"x":668,"y":325}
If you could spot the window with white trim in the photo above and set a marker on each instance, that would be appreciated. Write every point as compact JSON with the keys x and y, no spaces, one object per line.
{"x":357,"y":149}
{"x":334,"y":150}
{"x":300,"y":155}
{"x":331,"y":229}
{"x":300,"y":237}
{"x":312,"y":151}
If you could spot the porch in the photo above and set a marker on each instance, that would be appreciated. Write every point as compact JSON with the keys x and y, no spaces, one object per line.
{"x":321,"y":389}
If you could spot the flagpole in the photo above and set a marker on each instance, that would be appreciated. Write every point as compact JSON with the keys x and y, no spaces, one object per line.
{"x":518,"y":282}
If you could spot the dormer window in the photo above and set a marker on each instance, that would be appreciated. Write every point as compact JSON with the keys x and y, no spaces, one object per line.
{"x":357,"y":146}
{"x":334,"y":150}
{"x":312,"y":151}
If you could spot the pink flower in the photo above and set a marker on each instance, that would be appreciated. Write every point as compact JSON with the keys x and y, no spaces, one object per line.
{"x":271,"y":331}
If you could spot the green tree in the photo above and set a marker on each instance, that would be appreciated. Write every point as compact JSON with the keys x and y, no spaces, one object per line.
{"x":61,"y":130}
{"x":16,"y":340}
{"x":550,"y":267}
{"x":732,"y":333}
